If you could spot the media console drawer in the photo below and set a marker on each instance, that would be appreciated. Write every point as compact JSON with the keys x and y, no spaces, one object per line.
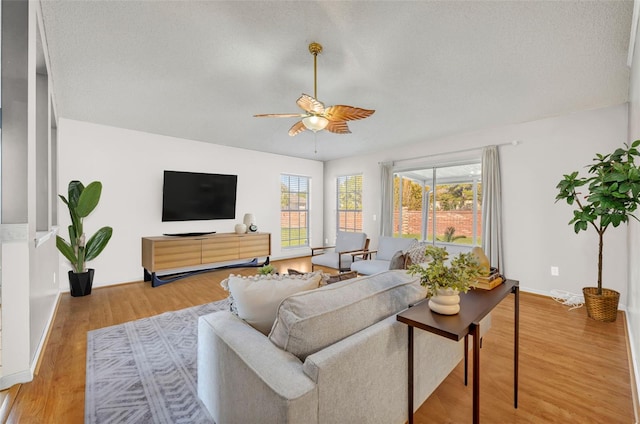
{"x":220,"y":249}
{"x":170,"y":252}
{"x":176,"y":254}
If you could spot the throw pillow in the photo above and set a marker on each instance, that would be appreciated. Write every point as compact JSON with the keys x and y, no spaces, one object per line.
{"x":416,"y":253}
{"x":256,"y":298}
{"x":397,"y":260}
{"x":329,"y":279}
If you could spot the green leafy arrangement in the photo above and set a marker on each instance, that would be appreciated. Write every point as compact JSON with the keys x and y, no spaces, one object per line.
{"x":266,"y":269}
{"x":81,"y":202}
{"x":612,"y":194}
{"x":458,"y":274}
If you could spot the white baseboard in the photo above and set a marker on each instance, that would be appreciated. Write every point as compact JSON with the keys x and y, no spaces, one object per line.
{"x":42,"y":343}
{"x":7,"y":381}
{"x":621,"y":306}
{"x":633,"y":364}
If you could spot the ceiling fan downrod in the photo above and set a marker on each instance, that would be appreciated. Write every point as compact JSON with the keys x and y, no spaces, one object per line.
{"x":315,"y":49}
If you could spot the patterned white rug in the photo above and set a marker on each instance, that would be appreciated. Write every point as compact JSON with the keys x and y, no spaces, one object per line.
{"x":144,"y":371}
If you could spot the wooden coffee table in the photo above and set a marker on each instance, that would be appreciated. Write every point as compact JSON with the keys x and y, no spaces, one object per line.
{"x":474,"y":306}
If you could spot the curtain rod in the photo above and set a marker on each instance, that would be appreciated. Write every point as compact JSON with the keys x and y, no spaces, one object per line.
{"x":510,"y":143}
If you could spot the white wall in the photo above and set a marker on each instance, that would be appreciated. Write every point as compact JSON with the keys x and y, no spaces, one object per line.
{"x":130,"y":165}
{"x":14,"y":255}
{"x":28,"y":271}
{"x":633,"y":285}
{"x":536,"y":234}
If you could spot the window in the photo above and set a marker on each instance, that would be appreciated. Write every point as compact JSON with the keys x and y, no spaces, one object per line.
{"x":349,"y":201}
{"x":439,"y":204}
{"x":294,"y":211}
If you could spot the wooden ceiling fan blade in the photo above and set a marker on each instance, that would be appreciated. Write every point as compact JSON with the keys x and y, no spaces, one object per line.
{"x":338,"y":127}
{"x":310,"y":104}
{"x":316,"y":116}
{"x":280,"y":115}
{"x":297,"y":128}
{"x":346,"y":113}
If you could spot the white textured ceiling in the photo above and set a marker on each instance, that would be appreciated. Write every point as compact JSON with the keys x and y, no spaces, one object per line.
{"x":200,"y":70}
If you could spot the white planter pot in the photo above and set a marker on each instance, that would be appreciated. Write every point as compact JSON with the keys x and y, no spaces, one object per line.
{"x":445,"y":302}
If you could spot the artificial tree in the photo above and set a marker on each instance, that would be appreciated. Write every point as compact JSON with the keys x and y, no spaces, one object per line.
{"x":611,"y":197}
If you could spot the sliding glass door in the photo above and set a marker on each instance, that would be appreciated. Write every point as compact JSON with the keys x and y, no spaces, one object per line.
{"x":441,"y":205}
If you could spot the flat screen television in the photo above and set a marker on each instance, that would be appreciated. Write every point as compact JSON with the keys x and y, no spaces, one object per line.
{"x":192,"y":196}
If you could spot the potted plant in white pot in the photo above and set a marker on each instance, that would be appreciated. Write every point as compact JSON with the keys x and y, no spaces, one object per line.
{"x":608,"y":196}
{"x":81,"y":202}
{"x":445,"y":279}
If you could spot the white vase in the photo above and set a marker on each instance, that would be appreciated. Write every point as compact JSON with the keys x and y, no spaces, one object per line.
{"x":241,"y":228}
{"x":445,"y":302}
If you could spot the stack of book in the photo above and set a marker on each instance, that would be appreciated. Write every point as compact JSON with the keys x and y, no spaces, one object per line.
{"x":490,"y":281}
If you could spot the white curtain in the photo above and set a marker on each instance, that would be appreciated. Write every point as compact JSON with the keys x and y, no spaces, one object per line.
{"x":492,"y":207}
{"x":386,"y":209}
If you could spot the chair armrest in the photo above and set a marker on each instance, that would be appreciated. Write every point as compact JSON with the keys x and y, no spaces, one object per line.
{"x":366,"y":254}
{"x":345,"y":252}
{"x":313,"y":249}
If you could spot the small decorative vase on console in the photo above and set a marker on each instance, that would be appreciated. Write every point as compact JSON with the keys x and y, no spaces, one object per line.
{"x":445,"y":302}
{"x":241,"y":228}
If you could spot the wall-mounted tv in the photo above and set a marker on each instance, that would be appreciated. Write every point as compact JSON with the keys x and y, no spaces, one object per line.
{"x":191,"y":196}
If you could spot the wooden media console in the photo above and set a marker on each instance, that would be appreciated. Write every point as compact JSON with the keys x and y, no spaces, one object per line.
{"x":167,"y":253}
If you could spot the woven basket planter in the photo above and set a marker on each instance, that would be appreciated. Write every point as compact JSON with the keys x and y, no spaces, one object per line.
{"x":602,"y":307}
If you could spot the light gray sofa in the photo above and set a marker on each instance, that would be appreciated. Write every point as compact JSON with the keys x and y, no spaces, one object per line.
{"x":335,"y":354}
{"x":381,"y":258}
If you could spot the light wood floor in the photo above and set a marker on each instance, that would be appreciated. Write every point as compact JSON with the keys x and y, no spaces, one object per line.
{"x":572,"y":369}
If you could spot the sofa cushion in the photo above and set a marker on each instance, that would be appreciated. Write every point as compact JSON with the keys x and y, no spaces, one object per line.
{"x":348,"y":241}
{"x":370,"y":266}
{"x":330,"y":260}
{"x":256,"y":298}
{"x":310,"y":321}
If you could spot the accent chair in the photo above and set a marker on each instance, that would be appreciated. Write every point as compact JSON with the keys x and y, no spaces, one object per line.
{"x":340,"y":257}
{"x":389,"y":255}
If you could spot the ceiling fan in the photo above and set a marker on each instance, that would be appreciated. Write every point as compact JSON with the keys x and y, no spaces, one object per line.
{"x":316,"y":116}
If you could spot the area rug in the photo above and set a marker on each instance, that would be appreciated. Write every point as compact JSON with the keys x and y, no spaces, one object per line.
{"x":144,"y":371}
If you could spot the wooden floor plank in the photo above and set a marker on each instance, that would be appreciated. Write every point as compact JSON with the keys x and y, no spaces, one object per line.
{"x":572,"y":368}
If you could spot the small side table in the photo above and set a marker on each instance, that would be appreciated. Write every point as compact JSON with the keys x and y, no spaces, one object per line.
{"x":474,"y":305}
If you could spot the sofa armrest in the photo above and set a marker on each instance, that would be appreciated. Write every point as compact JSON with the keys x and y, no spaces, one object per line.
{"x":373,"y":365}
{"x":243,"y":377}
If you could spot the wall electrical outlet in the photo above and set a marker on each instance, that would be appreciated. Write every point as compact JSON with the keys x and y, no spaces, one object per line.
{"x":555,"y":271}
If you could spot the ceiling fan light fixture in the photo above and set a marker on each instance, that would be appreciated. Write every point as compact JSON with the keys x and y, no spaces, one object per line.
{"x":315,"y":123}
{"x":316,"y":116}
